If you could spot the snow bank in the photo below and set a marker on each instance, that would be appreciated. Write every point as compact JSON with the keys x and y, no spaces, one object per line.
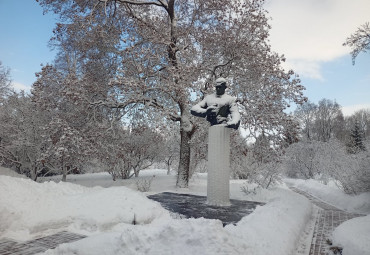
{"x":28,"y":209}
{"x":276,"y":227}
{"x":105,"y":215}
{"x":334,"y":196}
{"x":165,"y":237}
{"x":271,"y":229}
{"x":9,"y":172}
{"x":353,"y":236}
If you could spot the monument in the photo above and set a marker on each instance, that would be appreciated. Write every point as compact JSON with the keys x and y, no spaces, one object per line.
{"x":221,"y":111}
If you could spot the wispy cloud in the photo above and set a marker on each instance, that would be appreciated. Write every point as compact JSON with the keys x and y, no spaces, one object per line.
{"x":19,"y":86}
{"x":306,"y":68}
{"x":351,"y":109}
{"x":311,"y":32}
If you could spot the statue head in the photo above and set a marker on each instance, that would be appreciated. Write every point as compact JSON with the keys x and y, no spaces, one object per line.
{"x":220,"y":85}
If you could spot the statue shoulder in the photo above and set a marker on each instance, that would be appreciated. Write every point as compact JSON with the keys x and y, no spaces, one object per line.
{"x":209,"y":98}
{"x":230,"y":99}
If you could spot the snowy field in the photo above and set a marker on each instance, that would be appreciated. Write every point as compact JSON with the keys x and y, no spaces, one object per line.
{"x":94,"y":205}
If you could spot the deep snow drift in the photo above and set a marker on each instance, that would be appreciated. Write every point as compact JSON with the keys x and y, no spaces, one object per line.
{"x":29,"y":209}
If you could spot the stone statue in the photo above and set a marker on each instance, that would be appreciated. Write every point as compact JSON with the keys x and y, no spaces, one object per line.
{"x":218,"y":108}
{"x":222,"y":112}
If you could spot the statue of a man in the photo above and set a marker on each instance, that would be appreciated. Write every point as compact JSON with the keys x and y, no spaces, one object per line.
{"x":219,"y":108}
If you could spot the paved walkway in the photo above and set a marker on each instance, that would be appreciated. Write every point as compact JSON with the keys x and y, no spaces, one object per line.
{"x":192,"y":206}
{"x":11,"y":247}
{"x":329,"y":217}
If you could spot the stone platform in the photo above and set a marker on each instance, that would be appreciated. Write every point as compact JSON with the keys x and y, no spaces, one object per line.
{"x":192,"y":206}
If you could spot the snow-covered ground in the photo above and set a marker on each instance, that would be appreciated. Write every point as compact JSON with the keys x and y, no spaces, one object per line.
{"x":94,"y":205}
{"x":331,"y":194}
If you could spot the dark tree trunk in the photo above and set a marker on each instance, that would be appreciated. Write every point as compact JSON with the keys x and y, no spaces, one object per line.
{"x":184,"y":163}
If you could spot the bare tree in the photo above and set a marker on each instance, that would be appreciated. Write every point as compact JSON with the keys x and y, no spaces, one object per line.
{"x":126,"y":151}
{"x":66,"y":149}
{"x":359,"y":41}
{"x":4,"y":82}
{"x":328,"y":117}
{"x":68,"y":130}
{"x":142,"y":148}
{"x":306,"y":114}
{"x":170,"y":152}
{"x":21,"y":129}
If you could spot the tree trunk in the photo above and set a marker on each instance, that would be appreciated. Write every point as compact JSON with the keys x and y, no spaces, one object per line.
{"x":184,"y":164}
{"x":34,"y":173}
{"x":65,"y":170}
{"x":64,"y":178}
{"x":136,"y":171}
{"x":168,"y":169}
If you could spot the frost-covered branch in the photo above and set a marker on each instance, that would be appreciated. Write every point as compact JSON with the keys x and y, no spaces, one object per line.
{"x":359,"y":41}
{"x":157,"y":3}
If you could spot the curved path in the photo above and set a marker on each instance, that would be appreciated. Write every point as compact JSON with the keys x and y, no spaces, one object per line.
{"x":329,"y":217}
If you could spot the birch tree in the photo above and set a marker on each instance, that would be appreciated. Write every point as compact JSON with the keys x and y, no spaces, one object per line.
{"x":160,"y":53}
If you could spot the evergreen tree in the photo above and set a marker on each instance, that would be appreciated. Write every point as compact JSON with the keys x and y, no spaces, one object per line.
{"x":355,"y":144}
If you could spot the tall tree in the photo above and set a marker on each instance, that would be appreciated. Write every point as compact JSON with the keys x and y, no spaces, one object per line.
{"x":4,"y":82}
{"x":363,"y":119}
{"x":306,"y":114}
{"x":328,"y":117}
{"x":157,"y":53}
{"x":68,"y":131}
{"x":21,"y":129}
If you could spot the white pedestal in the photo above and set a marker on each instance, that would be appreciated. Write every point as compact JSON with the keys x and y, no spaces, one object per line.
{"x":218,"y":187}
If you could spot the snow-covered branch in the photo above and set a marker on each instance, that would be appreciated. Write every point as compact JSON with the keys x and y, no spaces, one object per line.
{"x":157,"y":3}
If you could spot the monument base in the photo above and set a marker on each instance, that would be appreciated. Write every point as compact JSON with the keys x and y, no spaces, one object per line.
{"x":218,"y":181}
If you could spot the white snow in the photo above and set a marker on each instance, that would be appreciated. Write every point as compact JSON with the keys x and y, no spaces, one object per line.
{"x":354,"y":236}
{"x":334,"y":196}
{"x":29,"y":209}
{"x":8,"y":172}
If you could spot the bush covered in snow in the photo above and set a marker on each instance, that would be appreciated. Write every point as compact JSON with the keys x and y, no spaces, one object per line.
{"x":329,"y":160}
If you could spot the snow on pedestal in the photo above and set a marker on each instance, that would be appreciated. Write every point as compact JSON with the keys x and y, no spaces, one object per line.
{"x":218,"y":166}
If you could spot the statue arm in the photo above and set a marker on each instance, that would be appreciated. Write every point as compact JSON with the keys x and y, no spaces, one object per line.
{"x":200,"y":109}
{"x":234,"y":122}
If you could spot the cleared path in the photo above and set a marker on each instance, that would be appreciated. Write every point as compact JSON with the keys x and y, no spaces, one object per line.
{"x":10,"y":247}
{"x":329,"y":217}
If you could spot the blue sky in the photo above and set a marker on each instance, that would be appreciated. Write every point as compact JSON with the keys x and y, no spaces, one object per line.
{"x":25,"y":33}
{"x":310,"y":33}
